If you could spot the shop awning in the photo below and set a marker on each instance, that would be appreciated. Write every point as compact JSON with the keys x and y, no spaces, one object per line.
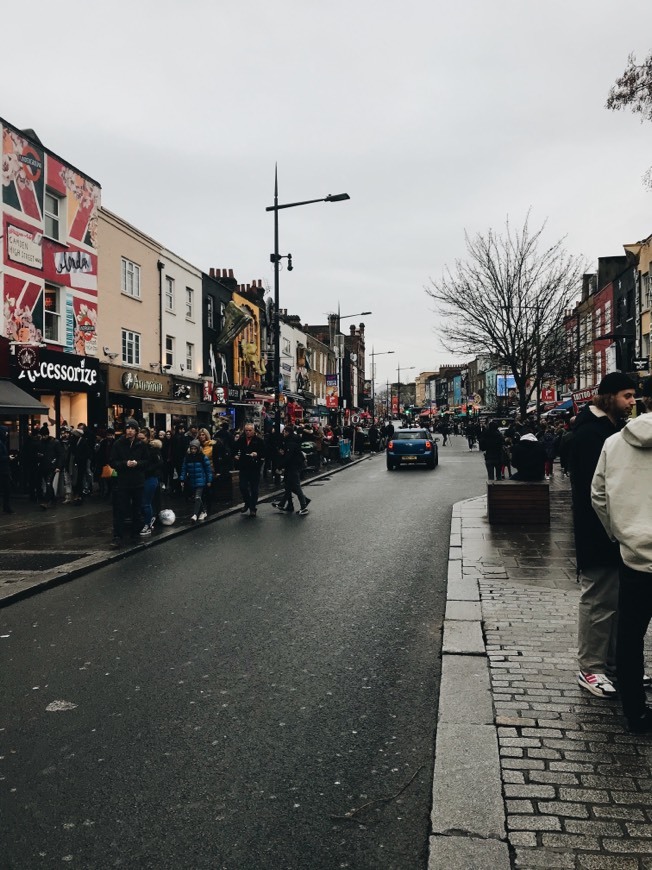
{"x":15,"y":401}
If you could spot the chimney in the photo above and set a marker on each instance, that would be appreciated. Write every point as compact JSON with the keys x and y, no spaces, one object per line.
{"x":230,"y":275}
{"x":211,"y":272}
{"x":352,"y":329}
{"x":362,"y":329}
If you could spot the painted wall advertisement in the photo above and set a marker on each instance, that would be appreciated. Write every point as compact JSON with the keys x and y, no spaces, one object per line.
{"x":50,"y":259}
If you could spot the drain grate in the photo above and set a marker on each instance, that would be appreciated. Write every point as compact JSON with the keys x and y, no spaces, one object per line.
{"x":36,"y":561}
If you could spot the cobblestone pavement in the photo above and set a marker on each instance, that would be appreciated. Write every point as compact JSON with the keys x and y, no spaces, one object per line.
{"x":577,"y":788}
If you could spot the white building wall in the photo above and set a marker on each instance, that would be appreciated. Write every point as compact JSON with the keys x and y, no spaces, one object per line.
{"x":177,"y":323}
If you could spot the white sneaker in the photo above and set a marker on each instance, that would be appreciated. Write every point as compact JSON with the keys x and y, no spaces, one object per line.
{"x":145,"y":531}
{"x":203,"y":515}
{"x":193,"y":518}
{"x":598,"y":684}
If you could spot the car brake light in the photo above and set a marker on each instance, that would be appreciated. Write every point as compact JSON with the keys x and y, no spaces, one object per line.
{"x":390,"y":446}
{"x":428,"y":445}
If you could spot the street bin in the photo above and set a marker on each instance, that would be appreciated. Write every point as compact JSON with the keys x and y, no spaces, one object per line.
{"x":345,"y":448}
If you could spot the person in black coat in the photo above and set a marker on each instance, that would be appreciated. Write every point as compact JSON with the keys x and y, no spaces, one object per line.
{"x":130,"y":458}
{"x":492,"y":443}
{"x":597,"y":556}
{"x":529,"y":458}
{"x":249,"y":456}
{"x":292,"y":460}
{"x":5,"y":474}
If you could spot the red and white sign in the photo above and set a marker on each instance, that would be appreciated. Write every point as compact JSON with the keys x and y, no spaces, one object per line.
{"x":548,"y":394}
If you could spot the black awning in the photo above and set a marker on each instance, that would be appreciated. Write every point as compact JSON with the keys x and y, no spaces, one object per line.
{"x":15,"y":401}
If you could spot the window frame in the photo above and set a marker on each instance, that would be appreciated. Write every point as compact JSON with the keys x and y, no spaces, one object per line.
{"x":51,"y":216}
{"x":190,"y":303}
{"x":169,"y":350}
{"x":190,"y":356}
{"x":170,"y":293}
{"x":58,"y":313}
{"x":130,"y":342}
{"x":135,"y":278}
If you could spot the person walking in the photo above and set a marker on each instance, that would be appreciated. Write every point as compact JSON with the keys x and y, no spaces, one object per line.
{"x":130,"y":460}
{"x":293,"y":461}
{"x":249,"y":456}
{"x":51,"y":456}
{"x":492,"y":444}
{"x":5,"y":473}
{"x":196,"y":475}
{"x":152,"y":480}
{"x":621,"y":495}
{"x":207,"y":448}
{"x":549,"y":440}
{"x":597,"y":556}
{"x":79,"y":458}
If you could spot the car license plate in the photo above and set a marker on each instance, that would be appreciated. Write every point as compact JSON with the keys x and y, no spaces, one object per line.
{"x":410,"y":458}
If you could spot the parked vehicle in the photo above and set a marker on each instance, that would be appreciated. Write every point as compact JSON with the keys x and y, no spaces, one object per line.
{"x":412,"y":447}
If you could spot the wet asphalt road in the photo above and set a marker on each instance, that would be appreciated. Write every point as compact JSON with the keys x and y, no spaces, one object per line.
{"x":238,"y":689}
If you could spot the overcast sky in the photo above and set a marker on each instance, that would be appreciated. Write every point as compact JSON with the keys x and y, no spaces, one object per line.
{"x":436,"y":117}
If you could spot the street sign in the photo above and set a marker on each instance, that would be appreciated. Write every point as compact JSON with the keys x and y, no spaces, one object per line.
{"x":641,"y":364}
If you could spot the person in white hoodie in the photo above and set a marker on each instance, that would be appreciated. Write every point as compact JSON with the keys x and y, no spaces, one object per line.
{"x":621,"y":494}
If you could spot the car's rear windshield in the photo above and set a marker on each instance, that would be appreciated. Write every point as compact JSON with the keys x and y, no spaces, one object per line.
{"x":412,"y":435}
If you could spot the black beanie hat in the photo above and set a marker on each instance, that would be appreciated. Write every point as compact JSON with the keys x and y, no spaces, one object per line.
{"x":614,"y":382}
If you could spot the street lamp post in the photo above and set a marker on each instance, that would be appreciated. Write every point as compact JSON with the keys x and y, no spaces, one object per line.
{"x":276,"y":259}
{"x":400,"y":369}
{"x":373,"y":379}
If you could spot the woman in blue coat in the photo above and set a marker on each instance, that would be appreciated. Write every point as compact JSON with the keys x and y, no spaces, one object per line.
{"x":197,"y":474}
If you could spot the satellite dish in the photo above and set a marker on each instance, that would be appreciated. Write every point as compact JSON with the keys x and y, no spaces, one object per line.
{"x":354,"y":357}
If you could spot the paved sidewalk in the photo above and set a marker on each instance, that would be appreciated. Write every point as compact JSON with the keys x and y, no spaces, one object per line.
{"x":40,"y":548}
{"x":531,"y":771}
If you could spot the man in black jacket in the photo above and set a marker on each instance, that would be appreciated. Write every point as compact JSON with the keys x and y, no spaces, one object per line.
{"x":293,"y":461}
{"x":249,"y":456}
{"x":130,"y":459}
{"x":597,"y":556}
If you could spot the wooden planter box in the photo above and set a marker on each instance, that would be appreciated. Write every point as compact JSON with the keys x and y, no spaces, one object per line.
{"x":518,"y":502}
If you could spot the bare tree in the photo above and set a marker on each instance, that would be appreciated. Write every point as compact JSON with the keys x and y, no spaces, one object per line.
{"x":633,"y":90}
{"x":508,"y":299}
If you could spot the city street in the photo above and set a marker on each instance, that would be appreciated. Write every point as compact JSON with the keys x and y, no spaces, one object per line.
{"x":257,"y":694}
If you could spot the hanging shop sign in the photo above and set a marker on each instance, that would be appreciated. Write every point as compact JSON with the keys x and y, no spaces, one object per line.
{"x":24,"y":246}
{"x":54,"y":371}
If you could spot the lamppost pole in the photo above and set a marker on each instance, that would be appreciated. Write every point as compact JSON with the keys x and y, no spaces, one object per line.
{"x":373,"y":379}
{"x":276,"y":259}
{"x":398,"y":385}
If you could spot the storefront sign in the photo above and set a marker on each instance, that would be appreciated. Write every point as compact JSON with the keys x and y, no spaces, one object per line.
{"x":72,"y":262}
{"x":27,"y":357}
{"x":132,"y":381}
{"x":62,"y":371}
{"x":24,"y":247}
{"x":584,"y":395}
{"x":138,"y":383}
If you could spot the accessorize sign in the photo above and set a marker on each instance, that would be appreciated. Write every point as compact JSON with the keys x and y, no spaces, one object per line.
{"x":54,"y":371}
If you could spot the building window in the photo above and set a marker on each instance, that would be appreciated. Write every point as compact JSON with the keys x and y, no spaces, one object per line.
{"x":169,"y":350}
{"x":130,"y":278}
{"x":222,"y":315}
{"x":190,"y":356}
{"x":169,"y":293}
{"x":53,"y":211}
{"x":607,"y":316}
{"x":190,"y":295}
{"x":130,"y":347}
{"x":286,"y":346}
{"x":210,"y":312}
{"x":52,"y":313}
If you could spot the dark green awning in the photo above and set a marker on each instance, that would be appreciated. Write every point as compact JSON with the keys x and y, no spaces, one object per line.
{"x":14,"y":401}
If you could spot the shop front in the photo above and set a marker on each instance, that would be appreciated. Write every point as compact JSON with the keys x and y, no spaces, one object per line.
{"x":151,"y":398}
{"x":71,"y":387}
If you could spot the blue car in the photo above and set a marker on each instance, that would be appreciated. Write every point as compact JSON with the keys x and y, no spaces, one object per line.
{"x":411,"y":447}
